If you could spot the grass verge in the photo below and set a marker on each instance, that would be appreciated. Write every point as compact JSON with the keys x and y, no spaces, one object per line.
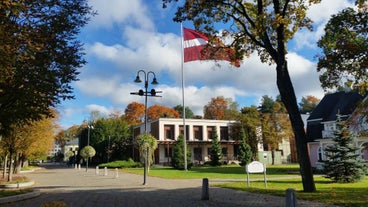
{"x":344,"y":194}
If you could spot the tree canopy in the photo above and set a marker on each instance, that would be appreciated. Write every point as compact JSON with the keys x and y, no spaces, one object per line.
{"x":39,"y":56}
{"x":308,"y":104}
{"x":344,"y":59}
{"x":188,"y":112}
{"x":221,"y":108}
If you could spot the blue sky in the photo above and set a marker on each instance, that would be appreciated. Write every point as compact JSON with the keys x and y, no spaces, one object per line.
{"x":127,"y":36}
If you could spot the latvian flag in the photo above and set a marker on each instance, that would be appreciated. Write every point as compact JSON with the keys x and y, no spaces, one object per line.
{"x":194,"y":43}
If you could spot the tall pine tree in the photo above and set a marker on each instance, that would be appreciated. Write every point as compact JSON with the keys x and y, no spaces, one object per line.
{"x":215,"y":151}
{"x":177,"y":161}
{"x":343,"y":163}
{"x":245,"y":152}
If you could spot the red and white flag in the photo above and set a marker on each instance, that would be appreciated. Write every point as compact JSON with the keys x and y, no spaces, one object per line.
{"x":194,"y":43}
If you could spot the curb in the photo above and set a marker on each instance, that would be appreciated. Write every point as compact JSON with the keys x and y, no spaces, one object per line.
{"x":18,"y":185}
{"x":10,"y":199}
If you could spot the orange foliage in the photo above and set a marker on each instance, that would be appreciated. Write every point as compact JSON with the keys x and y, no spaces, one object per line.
{"x":156,"y":111}
{"x":134,"y":113}
{"x":215,"y":109}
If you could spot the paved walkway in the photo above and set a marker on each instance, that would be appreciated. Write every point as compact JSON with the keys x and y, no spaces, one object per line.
{"x":78,"y":188}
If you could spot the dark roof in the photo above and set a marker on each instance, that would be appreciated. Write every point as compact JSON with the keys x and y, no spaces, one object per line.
{"x":343,"y":103}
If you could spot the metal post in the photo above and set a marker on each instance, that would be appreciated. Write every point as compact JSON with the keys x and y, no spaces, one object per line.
{"x":290,"y":198}
{"x":88,"y":134}
{"x":145,"y":93}
{"x":205,"y":191}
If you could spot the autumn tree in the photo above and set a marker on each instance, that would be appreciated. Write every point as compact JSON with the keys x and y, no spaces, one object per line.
{"x":266,"y":105}
{"x":248,"y":122}
{"x":276,"y":126}
{"x":134,"y":113}
{"x":221,"y":108}
{"x":231,"y":112}
{"x":308,"y":104}
{"x":40,"y":57}
{"x":258,"y":26}
{"x":157,"y":111}
{"x":66,"y":135}
{"x":188,"y":112}
{"x":29,"y":140}
{"x":344,"y":59}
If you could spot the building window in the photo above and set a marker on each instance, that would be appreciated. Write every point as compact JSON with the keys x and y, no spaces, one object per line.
{"x":181,"y":130}
{"x":197,"y":132}
{"x":224,"y":133}
{"x":224,"y":151}
{"x":169,"y":132}
{"x":168,"y":154}
{"x":210,"y":131}
{"x":197,"y":154}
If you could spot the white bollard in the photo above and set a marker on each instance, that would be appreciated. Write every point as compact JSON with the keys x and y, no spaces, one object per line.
{"x":75,"y":166}
{"x":116,"y":173}
{"x":79,"y":166}
{"x":105,"y":171}
{"x":97,"y":170}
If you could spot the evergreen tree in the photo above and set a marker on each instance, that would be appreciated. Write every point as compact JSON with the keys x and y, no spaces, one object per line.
{"x":245,"y":153}
{"x":343,"y":163}
{"x":215,"y":151}
{"x":177,"y":161}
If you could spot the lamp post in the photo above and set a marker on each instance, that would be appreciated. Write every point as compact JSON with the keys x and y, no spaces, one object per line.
{"x":75,"y":158}
{"x":89,"y":127}
{"x":146,"y":93}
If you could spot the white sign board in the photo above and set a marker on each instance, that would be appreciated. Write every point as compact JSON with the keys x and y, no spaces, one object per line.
{"x":255,"y":167}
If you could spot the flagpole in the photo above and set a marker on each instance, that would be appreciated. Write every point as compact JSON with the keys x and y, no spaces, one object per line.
{"x":182,"y":93}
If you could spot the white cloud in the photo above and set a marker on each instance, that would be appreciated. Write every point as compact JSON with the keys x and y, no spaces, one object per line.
{"x":103,"y":110}
{"x":319,"y":14}
{"x":118,"y":12}
{"x":143,"y":50}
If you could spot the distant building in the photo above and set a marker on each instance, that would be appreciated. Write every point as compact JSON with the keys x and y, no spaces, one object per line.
{"x":199,"y":140}
{"x":71,"y":145}
{"x":321,"y":124}
{"x":55,"y":150}
{"x":198,"y":137}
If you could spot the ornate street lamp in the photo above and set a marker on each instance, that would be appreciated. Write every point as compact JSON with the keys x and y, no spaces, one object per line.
{"x":146,"y":93}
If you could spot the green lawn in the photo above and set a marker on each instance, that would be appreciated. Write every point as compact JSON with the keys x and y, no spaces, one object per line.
{"x":349,"y":194}
{"x":223,"y":172}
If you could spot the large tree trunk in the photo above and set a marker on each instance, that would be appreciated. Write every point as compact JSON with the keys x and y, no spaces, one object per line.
{"x":288,"y":97}
{"x":10,"y":174}
{"x":273,"y":156}
{"x":5,"y":165}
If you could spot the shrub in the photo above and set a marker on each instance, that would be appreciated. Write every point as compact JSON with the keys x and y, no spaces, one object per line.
{"x":122,"y":164}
